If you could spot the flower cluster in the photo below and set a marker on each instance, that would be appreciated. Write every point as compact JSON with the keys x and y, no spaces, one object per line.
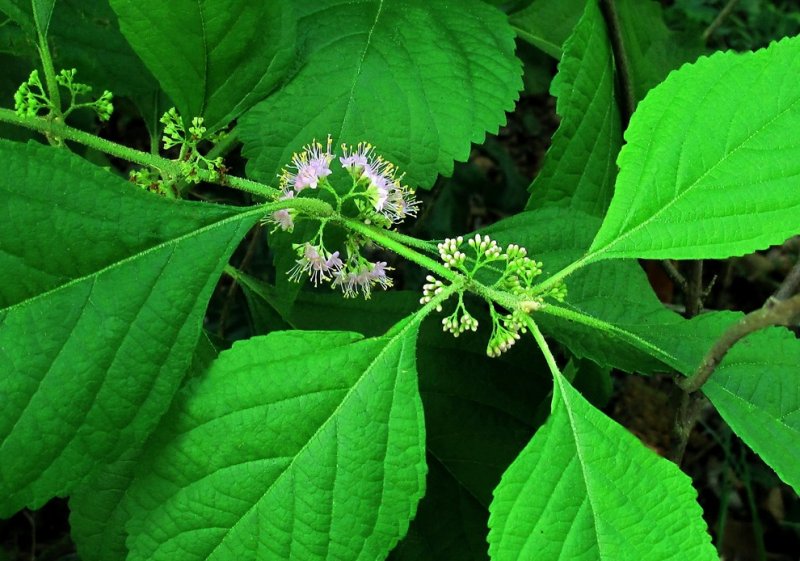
{"x":315,"y":262}
{"x":354,"y":276}
{"x":375,"y":187}
{"x":192,"y":162}
{"x":30,"y":98}
{"x":373,"y":195}
{"x":360,"y":276}
{"x":514,"y":273}
{"x":388,"y":200}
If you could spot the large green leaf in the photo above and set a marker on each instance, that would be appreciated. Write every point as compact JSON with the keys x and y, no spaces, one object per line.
{"x":712,"y":161}
{"x":419,"y":80}
{"x":546,"y":24}
{"x":586,"y":489}
{"x":214,"y":58}
{"x":477,"y":419}
{"x":580,"y":166}
{"x":297,"y":445}
{"x":103,"y":289}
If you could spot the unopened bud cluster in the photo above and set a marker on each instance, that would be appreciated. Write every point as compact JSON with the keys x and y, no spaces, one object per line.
{"x":514,"y":273}
{"x":194,"y":165}
{"x":30,"y":98}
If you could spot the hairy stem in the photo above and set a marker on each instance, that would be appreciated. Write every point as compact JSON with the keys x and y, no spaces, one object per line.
{"x":539,"y":338}
{"x":390,"y":242}
{"x":170,"y":167}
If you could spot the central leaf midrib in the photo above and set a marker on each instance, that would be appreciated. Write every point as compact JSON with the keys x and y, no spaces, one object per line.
{"x":690,"y":188}
{"x":138,"y":255}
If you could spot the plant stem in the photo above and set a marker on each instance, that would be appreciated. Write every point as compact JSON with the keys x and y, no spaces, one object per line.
{"x":552,"y":280}
{"x":389,"y":242}
{"x":789,"y":285}
{"x":49,"y":76}
{"x":674,"y":274}
{"x":723,"y":14}
{"x":548,"y":354}
{"x":774,"y":312}
{"x":164,"y":165}
{"x":627,"y":100}
{"x":694,"y":289}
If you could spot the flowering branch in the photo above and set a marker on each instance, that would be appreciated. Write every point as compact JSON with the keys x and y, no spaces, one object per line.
{"x":366,"y":208}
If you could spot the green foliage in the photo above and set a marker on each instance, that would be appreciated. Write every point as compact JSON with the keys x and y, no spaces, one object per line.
{"x":247,"y":445}
{"x":432,"y":104}
{"x":186,"y":421}
{"x":192,"y":47}
{"x":592,"y":506}
{"x":96,"y":340}
{"x":671,"y":165}
{"x":579,"y":170}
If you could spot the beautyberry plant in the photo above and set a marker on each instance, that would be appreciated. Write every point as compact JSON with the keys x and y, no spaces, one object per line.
{"x":243,"y":315}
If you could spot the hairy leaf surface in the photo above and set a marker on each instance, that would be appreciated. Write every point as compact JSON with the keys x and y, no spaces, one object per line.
{"x":711,"y":164}
{"x":98,"y":512}
{"x":580,"y":166}
{"x":298,"y":445}
{"x":587,"y":489}
{"x":103,"y":288}
{"x":214,"y":58}
{"x":419,"y":80}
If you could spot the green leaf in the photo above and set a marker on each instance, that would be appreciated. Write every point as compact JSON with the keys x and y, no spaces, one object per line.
{"x":547,"y":24}
{"x":586,"y":489}
{"x":214,"y":58}
{"x":103,"y":289}
{"x":98,"y":513}
{"x":580,"y":168}
{"x":711,"y":164}
{"x":298,"y":445}
{"x":380,"y":71}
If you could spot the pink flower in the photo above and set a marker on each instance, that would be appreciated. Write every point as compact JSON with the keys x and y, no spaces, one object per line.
{"x":317,"y":263}
{"x":307,"y":167}
{"x":361,"y":278}
{"x":283,"y":218}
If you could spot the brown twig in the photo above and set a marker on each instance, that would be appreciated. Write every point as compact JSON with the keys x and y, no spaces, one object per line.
{"x":674,"y":274}
{"x":774,"y":312}
{"x":248,"y":256}
{"x":627,"y":100}
{"x":723,"y":14}
{"x":789,"y":285}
